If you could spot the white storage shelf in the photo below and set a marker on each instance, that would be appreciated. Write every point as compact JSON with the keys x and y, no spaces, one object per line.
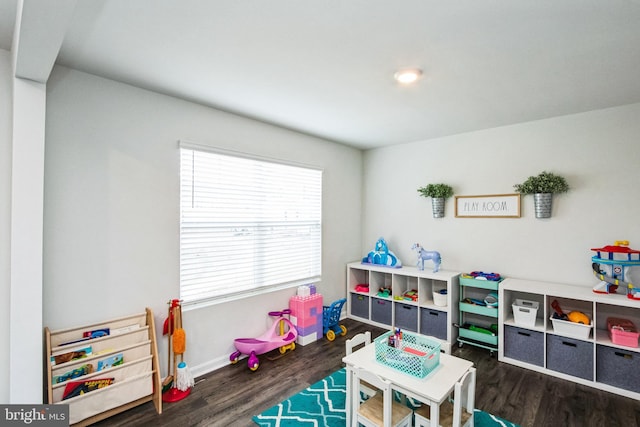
{"x":421,"y":315}
{"x":598,"y":366}
{"x":136,"y":380}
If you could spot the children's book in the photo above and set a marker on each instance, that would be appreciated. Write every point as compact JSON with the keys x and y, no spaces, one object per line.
{"x":88,"y":335}
{"x":103,"y":332}
{"x":70,"y":354}
{"x":78,"y":372}
{"x":114,"y":360}
{"x":77,"y":388}
{"x":75,"y":341}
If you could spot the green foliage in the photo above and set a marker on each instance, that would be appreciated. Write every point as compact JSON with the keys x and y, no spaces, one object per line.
{"x":436,"y":191}
{"x":545,"y":182}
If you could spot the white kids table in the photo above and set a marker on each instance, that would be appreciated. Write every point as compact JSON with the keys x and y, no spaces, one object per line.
{"x":432,"y":389}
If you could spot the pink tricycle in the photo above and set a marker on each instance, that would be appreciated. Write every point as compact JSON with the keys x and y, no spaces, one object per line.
{"x":281,"y":334}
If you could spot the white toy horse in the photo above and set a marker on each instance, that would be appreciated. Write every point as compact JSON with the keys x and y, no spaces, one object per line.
{"x":427,"y":255}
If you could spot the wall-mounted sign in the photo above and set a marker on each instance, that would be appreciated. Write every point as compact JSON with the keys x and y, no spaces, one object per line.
{"x":489,"y":206}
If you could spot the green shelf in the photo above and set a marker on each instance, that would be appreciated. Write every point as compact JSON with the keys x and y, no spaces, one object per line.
{"x":491,"y":285}
{"x":478,"y":336}
{"x":478,"y":309}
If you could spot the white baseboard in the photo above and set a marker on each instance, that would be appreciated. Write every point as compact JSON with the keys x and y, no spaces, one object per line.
{"x":221,"y":362}
{"x":210,"y":366}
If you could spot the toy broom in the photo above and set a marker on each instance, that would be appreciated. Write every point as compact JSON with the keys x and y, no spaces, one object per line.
{"x":183,"y":381}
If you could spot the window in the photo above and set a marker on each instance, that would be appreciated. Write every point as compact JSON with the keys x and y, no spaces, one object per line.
{"x":246,"y":225}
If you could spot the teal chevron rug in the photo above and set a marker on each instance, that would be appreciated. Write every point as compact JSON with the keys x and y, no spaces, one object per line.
{"x":323,"y":404}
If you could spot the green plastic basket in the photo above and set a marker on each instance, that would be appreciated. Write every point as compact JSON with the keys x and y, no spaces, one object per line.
{"x":418,"y":355}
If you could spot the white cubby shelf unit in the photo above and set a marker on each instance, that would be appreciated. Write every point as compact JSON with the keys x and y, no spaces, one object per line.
{"x":135,"y":381}
{"x":591,"y":359}
{"x":421,"y":315}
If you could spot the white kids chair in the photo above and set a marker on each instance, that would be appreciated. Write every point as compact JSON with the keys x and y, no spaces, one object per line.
{"x":363,"y":338}
{"x":456,"y":413}
{"x":380,"y":410}
{"x":356,"y":340}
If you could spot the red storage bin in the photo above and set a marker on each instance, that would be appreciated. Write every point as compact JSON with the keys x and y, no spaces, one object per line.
{"x":622,"y":332}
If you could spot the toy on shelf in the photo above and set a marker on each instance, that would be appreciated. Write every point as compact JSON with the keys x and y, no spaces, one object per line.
{"x":363,"y":288}
{"x":331,"y":320}
{"x":491,"y":330}
{"x":474,"y":301}
{"x":424,"y":255}
{"x":382,"y":256}
{"x":615,"y":269}
{"x":579,"y":317}
{"x":479,"y":275}
{"x":558,"y":313}
{"x":622,"y":332}
{"x":384,"y":292}
{"x":282,"y":334}
{"x":572,"y":316}
{"x":491,"y":300}
{"x":411,"y":295}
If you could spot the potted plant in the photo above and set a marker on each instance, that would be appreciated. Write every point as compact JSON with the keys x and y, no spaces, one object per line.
{"x":543,"y":186}
{"x":438,"y":193}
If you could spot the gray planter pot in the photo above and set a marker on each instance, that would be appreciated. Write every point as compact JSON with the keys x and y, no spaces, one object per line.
{"x":437,"y":205}
{"x":542,"y":203}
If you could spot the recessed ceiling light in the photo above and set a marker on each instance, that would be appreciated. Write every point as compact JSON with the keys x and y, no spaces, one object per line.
{"x":407,"y":76}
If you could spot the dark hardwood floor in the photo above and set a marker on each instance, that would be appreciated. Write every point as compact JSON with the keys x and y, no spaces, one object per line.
{"x":232,"y":395}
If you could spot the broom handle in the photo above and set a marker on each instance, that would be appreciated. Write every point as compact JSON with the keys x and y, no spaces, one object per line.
{"x":175,"y":359}
{"x":170,"y":333}
{"x":185,"y":343}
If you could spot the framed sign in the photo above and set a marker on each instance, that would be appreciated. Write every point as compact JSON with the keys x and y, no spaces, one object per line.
{"x":489,"y":206}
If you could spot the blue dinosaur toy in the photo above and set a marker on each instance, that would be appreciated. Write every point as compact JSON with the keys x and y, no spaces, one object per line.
{"x":381,"y":255}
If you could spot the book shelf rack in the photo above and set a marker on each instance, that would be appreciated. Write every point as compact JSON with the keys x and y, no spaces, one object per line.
{"x":135,"y":381}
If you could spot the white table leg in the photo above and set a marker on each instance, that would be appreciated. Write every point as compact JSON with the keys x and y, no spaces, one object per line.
{"x":435,"y":414}
{"x":349,"y":397}
{"x":355,"y":398}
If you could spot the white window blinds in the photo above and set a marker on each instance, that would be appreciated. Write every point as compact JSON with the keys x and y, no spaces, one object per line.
{"x":246,"y":225}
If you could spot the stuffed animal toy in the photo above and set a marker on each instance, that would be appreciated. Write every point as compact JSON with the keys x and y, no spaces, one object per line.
{"x":381,"y":255}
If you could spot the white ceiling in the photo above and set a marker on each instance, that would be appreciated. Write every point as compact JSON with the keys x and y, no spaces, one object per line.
{"x":326,"y":67}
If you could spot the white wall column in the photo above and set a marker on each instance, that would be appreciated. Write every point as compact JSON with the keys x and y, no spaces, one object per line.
{"x":27,"y":192}
{"x":38,"y":34}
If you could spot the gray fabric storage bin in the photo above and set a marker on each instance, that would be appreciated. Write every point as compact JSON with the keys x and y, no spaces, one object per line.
{"x":618,"y":367}
{"x":524,"y":345}
{"x":570,"y":356}
{"x":381,"y":310}
{"x":433,"y":323}
{"x":360,"y":305}
{"x":406,"y":317}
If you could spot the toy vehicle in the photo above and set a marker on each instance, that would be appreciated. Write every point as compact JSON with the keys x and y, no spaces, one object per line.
{"x":331,"y":320}
{"x":282,"y":334}
{"x":616,"y":268}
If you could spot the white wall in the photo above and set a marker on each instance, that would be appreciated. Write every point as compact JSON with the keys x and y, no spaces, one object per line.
{"x":597,"y":152}
{"x":111,"y":208}
{"x":5,"y":217}
{"x":111,"y":202}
